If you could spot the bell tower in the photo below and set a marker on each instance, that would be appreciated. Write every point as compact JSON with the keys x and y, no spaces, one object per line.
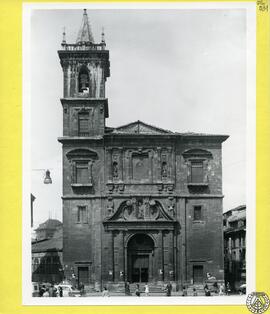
{"x":85,"y":67}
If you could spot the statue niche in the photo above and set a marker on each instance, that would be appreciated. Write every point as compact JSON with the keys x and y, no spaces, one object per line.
{"x":115,"y":170}
{"x":164,"y":170}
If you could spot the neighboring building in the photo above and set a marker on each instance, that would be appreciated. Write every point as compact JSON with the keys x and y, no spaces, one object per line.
{"x":234,"y":222}
{"x":47,"y":258}
{"x":140,"y":203}
{"x":47,"y":229}
{"x":32,"y":199}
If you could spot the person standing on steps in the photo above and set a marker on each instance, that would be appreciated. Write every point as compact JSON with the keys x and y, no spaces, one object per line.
{"x":146,"y":289}
{"x":168,"y":289}
{"x":105,"y":292}
{"x":137,"y":291}
{"x":127,"y":288}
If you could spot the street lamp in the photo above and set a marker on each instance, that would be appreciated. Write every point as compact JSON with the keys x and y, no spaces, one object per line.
{"x":47,"y":179}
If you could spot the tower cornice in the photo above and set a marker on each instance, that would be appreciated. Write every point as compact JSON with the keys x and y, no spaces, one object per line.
{"x":86,"y":101}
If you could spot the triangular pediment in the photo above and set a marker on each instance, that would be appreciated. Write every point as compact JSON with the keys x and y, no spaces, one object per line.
{"x":139,"y":127}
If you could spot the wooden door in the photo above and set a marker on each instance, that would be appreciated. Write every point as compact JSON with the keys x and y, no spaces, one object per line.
{"x":197,"y":274}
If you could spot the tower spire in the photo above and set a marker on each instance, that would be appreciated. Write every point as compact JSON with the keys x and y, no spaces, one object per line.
{"x":85,"y":33}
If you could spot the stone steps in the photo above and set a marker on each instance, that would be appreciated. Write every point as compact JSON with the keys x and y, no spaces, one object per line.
{"x":153,"y":288}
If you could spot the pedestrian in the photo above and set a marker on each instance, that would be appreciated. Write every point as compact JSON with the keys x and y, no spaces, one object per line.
{"x":105,"y":292}
{"x":228,"y":289}
{"x":221,"y":289}
{"x":81,"y":288}
{"x":206,"y":290}
{"x":168,"y":289}
{"x":127,"y":288}
{"x":46,"y":293}
{"x":137,"y":291}
{"x":146,"y":290}
{"x":60,"y":289}
{"x":54,"y":292}
{"x":184,"y":291}
{"x":51,"y":291}
{"x":215,"y":286}
{"x":41,"y":290}
{"x":195,"y":294}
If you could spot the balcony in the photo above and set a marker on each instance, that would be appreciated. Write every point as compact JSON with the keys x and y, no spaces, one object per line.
{"x":83,"y":46}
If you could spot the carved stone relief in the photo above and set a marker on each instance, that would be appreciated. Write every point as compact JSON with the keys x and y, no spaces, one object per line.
{"x":110,"y":207}
{"x":138,"y":209}
{"x":171,"y":206}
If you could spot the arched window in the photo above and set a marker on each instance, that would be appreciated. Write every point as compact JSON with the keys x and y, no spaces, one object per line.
{"x":83,"y":80}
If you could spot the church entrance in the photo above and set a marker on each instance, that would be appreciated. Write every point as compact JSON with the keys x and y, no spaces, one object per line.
{"x":140,"y":258}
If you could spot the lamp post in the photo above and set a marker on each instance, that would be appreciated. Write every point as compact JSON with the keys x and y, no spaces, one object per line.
{"x":47,"y":180}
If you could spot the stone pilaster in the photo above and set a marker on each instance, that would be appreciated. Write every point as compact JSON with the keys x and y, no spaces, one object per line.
{"x":159,"y":164}
{"x":109,"y":162}
{"x":119,"y":259}
{"x":159,"y":258}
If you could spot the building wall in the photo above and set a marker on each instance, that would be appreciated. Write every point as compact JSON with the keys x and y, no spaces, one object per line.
{"x":234,"y":222}
{"x":197,"y":242}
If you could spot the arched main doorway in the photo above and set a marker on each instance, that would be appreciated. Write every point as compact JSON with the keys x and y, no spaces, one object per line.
{"x":140,"y":251}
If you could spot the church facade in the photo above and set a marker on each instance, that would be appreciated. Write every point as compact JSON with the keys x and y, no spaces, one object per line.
{"x":140,"y":203}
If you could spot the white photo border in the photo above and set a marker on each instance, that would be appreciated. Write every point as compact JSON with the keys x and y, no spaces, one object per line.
{"x":27,"y":298}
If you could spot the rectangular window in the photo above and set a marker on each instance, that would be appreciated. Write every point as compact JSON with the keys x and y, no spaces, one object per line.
{"x":197,"y":213}
{"x":82,"y":214}
{"x":82,"y":172}
{"x":83,"y":119}
{"x":196,"y":171}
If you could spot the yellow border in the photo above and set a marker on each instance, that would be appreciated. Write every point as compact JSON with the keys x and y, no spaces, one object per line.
{"x":11,"y":173}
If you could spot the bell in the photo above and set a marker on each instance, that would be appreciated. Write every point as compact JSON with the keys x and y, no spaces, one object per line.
{"x":47,"y":179}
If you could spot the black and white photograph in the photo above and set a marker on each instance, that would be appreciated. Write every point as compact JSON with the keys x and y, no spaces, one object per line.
{"x":139,"y":153}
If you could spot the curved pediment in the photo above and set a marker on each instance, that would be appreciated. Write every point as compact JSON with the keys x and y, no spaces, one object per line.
{"x":138,"y":209}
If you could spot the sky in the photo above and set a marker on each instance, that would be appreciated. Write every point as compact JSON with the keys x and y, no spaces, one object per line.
{"x":181,"y":70}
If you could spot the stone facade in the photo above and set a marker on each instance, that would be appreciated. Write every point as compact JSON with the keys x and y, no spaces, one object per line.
{"x":140,"y":204}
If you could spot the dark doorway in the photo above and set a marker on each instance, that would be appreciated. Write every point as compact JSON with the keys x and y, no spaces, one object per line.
{"x":83,"y":275}
{"x":140,"y":253}
{"x":197,"y":274}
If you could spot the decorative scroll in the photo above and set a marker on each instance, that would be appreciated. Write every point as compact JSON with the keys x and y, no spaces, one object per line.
{"x":141,"y":209}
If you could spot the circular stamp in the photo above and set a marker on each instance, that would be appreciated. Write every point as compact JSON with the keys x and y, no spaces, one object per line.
{"x":257,"y":302}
